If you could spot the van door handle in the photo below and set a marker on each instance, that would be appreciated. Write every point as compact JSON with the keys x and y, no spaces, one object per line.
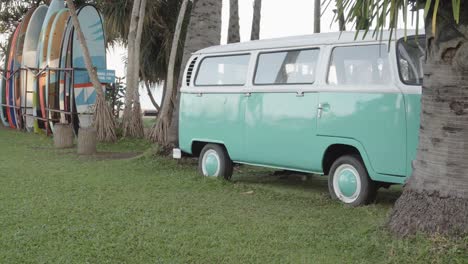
{"x":300,"y":94}
{"x":199,"y":94}
{"x":247,"y":94}
{"x":319,"y":111}
{"x":321,"y":108}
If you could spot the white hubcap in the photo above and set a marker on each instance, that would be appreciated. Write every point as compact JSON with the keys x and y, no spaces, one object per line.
{"x":347,"y":183}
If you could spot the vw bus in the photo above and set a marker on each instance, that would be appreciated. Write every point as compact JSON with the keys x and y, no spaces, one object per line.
{"x":328,"y":104}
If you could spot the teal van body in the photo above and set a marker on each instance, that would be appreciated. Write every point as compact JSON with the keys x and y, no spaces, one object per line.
{"x":305,"y":124}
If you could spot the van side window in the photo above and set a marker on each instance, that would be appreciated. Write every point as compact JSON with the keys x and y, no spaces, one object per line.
{"x":287,"y":67}
{"x":223,"y":71}
{"x":359,"y":65}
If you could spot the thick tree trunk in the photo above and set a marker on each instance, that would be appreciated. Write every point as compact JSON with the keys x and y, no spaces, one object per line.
{"x":63,"y":136}
{"x":234,"y":28}
{"x":204,"y":30}
{"x":435,"y":198}
{"x":317,"y":16}
{"x":257,"y":17}
{"x":132,"y":123}
{"x":103,"y":118}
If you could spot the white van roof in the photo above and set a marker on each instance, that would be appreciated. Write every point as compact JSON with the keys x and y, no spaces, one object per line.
{"x":307,"y":40}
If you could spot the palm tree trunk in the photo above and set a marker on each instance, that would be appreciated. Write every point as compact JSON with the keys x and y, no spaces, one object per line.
{"x":204,"y":30}
{"x":234,"y":34}
{"x":257,"y":17}
{"x":435,"y":198}
{"x":317,"y":14}
{"x":132,"y":124}
{"x":129,"y":93}
{"x":159,"y":132}
{"x":103,"y":118}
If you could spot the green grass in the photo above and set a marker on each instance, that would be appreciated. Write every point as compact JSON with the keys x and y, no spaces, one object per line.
{"x":56,"y":207}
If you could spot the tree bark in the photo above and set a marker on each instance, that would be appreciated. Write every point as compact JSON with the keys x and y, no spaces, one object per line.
{"x":63,"y":136}
{"x":234,"y":28}
{"x":132,"y":124}
{"x":159,"y":132}
{"x":257,"y":17}
{"x":204,"y":30}
{"x":103,"y":118}
{"x":435,"y":198}
{"x":317,"y":16}
{"x":87,"y":143}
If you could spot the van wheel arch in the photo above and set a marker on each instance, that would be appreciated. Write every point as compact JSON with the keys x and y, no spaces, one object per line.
{"x":197,"y":147}
{"x":336,"y":151}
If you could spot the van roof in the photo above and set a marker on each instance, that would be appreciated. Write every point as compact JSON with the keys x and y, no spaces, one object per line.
{"x":306,"y":40}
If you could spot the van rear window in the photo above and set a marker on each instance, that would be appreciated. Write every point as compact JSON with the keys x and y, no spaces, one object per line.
{"x":287,"y":67}
{"x":223,"y":71}
{"x":359,"y":65}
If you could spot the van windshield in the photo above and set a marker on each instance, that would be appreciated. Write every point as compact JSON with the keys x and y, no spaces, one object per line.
{"x":411,"y":55}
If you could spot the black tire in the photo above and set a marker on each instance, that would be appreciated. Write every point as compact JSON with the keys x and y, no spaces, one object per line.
{"x":224,"y":167}
{"x":363,"y":195}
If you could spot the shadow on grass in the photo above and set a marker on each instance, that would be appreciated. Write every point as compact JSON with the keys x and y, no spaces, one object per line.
{"x":300,"y":181}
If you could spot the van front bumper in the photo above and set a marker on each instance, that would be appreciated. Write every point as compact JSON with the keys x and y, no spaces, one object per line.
{"x":176,"y":153}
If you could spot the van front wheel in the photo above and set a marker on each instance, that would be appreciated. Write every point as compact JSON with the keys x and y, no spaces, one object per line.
{"x":349,"y":182}
{"x":214,"y":161}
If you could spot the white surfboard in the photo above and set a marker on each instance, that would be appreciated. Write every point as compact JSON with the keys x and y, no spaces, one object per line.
{"x":55,"y":6}
{"x":29,"y":60}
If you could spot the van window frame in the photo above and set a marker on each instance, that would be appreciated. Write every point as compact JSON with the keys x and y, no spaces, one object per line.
{"x":257,"y":61}
{"x":413,"y":37}
{"x":200,"y":63}
{"x":330,"y":57}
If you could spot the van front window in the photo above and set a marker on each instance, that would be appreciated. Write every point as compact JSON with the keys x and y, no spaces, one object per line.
{"x":411,"y":55}
{"x":359,"y":65}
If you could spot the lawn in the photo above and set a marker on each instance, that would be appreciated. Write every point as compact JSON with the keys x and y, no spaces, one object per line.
{"x":56,"y":207}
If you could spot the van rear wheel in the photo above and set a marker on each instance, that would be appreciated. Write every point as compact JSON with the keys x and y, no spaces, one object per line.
{"x":215,"y":162}
{"x":349,"y":182}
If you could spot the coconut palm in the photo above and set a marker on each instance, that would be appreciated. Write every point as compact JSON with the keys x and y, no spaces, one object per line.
{"x":132,"y":124}
{"x":435,"y":198}
{"x":204,"y":30}
{"x":257,"y":16}
{"x":158,"y":31}
{"x":233,"y":32}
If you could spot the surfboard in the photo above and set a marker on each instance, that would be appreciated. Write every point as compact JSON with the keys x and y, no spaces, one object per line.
{"x":43,"y":78}
{"x":3,"y":87}
{"x":53,"y":60}
{"x":9,"y":86}
{"x":18,"y":87}
{"x":83,"y":91}
{"x":65,"y":77}
{"x":29,"y":60}
{"x":55,"y":6}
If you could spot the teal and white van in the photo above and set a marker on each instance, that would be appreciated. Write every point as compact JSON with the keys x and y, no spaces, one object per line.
{"x":327,"y":104}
